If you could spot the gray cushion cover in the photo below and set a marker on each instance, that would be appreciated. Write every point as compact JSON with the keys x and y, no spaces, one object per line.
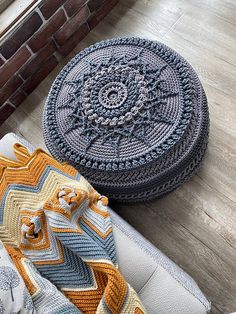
{"x":131,"y":115}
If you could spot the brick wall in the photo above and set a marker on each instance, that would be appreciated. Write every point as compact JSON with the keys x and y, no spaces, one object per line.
{"x":33,"y":50}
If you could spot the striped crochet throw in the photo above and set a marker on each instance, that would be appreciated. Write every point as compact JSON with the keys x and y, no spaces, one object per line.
{"x":62,"y":225}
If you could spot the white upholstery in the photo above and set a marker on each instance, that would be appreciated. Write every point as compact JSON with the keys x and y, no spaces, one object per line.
{"x":163,"y":287}
{"x":136,"y":266}
{"x":168,"y":296}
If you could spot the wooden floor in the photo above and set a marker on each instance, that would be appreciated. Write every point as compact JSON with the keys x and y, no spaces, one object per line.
{"x":195,"y":225}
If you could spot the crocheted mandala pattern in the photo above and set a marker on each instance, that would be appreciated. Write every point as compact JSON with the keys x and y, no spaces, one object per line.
{"x":117,"y":98}
{"x":131,"y":115}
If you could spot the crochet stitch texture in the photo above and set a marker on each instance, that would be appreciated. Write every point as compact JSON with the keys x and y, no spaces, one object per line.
{"x":131,"y":115}
{"x":62,"y":226}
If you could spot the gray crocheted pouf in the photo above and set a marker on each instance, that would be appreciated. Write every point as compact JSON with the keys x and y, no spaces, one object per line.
{"x":131,"y":115}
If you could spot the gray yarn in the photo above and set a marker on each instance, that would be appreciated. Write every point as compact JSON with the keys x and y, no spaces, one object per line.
{"x":131,"y":115}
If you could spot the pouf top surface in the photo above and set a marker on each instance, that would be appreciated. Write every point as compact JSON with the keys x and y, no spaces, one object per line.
{"x":120,"y":104}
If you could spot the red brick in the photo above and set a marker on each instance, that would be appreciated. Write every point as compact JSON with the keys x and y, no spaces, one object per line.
{"x":13,"y":65}
{"x":72,"y":6}
{"x":37,"y":61}
{"x":5,"y":111}
{"x":73,"y":41}
{"x":35,"y":79}
{"x":49,"y":7}
{"x":1,"y":61}
{"x":9,"y":88}
{"x":17,"y":98}
{"x":41,"y":38}
{"x":22,"y":34}
{"x":101,"y":13}
{"x":72,"y":26}
{"x":94,"y":4}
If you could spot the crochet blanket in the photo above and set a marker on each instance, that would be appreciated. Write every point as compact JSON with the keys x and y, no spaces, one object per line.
{"x":62,"y":225}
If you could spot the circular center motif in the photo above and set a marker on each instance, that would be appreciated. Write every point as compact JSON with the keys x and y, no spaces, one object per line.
{"x":120,"y":99}
{"x":113,"y":95}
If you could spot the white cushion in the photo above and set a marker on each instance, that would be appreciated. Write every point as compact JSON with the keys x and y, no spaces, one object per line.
{"x":136,"y":266}
{"x":163,"y":294}
{"x":163,"y":287}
